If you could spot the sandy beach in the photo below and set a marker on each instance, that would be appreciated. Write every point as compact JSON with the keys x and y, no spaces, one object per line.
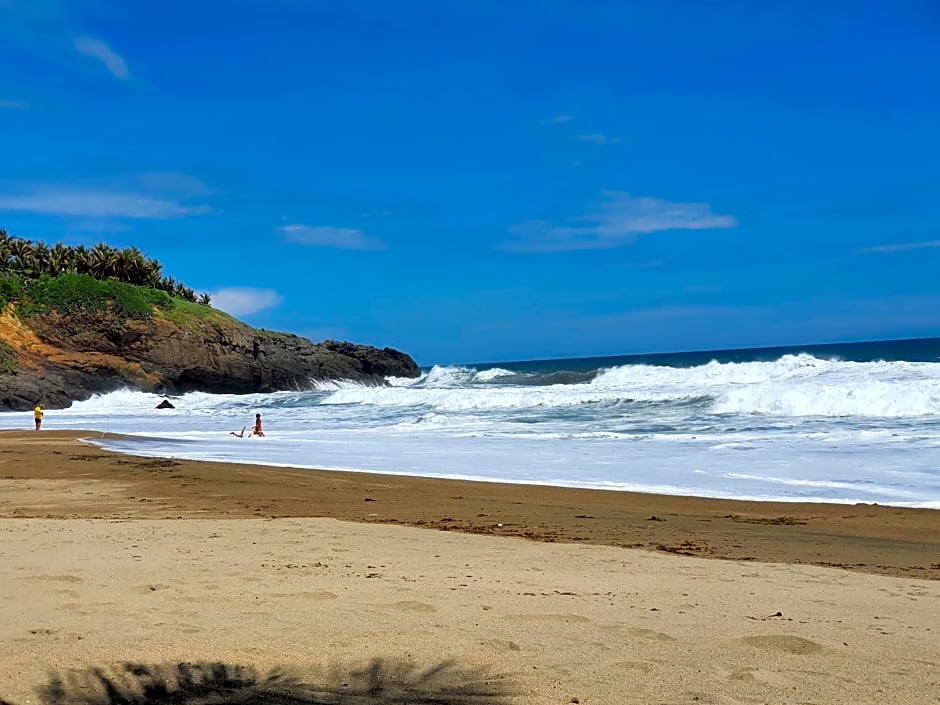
{"x":321,"y":587}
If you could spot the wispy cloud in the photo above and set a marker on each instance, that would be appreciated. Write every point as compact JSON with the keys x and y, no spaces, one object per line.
{"x":56,"y":200}
{"x":244,"y":300}
{"x":97,"y":49}
{"x":616,"y":222}
{"x":903,"y":247}
{"x":558,"y":119}
{"x":55,"y":30}
{"x":328,"y":236}
{"x":14,"y":105}
{"x":598,"y":138}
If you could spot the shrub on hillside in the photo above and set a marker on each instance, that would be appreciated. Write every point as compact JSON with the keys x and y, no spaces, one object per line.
{"x":10,"y":288}
{"x":7,"y":358}
{"x":81,"y":293}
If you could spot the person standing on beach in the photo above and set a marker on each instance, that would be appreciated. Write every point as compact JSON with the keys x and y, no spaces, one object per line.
{"x":37,"y":415}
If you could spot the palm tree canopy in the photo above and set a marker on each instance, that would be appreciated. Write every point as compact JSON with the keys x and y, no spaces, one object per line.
{"x":30,"y":260}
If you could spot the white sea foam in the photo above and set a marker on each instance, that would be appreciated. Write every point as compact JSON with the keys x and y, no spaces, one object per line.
{"x":871,"y":399}
{"x":462,"y":399}
{"x":795,"y":385}
{"x":797,"y":428}
{"x":491,"y":374}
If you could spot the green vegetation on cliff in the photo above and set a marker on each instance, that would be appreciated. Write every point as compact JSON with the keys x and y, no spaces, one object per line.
{"x":41,"y":279}
{"x":186,"y":313}
{"x":77,"y":322}
{"x":81,"y":293}
{"x":23,"y":261}
{"x":10,"y":288}
{"x":7,"y":358}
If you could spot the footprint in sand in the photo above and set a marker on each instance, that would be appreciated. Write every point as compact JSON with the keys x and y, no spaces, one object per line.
{"x":550,"y":618}
{"x":639,"y":633}
{"x":319,"y":595}
{"x":737,"y":674}
{"x":54,"y":578}
{"x":501,"y":645}
{"x":147,"y":589}
{"x":641,"y":666}
{"x":787,"y":644}
{"x":409,"y":606}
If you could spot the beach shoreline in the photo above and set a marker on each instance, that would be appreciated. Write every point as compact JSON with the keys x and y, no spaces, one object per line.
{"x":43,"y":474}
{"x":122,"y":576}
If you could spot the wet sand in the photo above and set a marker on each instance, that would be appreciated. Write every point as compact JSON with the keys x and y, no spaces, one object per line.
{"x":336,"y":579}
{"x":57,"y":477}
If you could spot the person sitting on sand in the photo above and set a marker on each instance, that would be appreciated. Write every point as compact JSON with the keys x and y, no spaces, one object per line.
{"x":256,"y":431}
{"x":240,"y":434}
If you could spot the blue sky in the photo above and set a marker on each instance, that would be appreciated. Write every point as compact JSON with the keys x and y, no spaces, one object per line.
{"x":487,"y":180}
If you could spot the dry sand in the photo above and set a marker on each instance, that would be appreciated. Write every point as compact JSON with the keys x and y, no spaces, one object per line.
{"x":252,"y":578}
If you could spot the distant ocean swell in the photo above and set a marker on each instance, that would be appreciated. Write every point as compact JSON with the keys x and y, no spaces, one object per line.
{"x":801,"y":426}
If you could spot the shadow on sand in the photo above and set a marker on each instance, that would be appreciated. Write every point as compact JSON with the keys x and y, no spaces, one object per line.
{"x":379,"y":682}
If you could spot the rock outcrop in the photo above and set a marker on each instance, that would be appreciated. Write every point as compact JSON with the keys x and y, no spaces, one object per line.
{"x":57,"y":359}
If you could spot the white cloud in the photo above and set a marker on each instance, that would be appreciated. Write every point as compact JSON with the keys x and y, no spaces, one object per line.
{"x":598,"y":138}
{"x":903,"y":247}
{"x":14,"y":104}
{"x":244,"y":300}
{"x":616,"y":222}
{"x":96,"y":203}
{"x":558,"y":119}
{"x":97,"y":49}
{"x":328,"y":236}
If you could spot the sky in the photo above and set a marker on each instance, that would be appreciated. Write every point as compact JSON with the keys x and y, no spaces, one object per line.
{"x":495,"y":180}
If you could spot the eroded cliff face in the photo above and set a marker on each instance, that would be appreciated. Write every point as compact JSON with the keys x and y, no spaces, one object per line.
{"x":61,"y":359}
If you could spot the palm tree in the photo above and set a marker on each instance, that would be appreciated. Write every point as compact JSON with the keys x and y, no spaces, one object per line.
{"x":100,"y":260}
{"x":5,"y":248}
{"x":131,"y":266}
{"x":41,"y":258}
{"x":29,"y":260}
{"x":81,"y":260}
{"x":22,"y":257}
{"x":60,"y":258}
{"x":154,"y":273}
{"x":20,"y":247}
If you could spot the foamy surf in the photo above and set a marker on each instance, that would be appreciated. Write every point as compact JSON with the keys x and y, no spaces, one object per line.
{"x":800,"y":427}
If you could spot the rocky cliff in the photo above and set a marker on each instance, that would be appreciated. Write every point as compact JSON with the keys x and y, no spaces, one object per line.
{"x":58,"y":358}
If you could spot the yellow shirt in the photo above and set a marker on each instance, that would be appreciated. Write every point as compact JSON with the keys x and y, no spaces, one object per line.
{"x":37,"y":413}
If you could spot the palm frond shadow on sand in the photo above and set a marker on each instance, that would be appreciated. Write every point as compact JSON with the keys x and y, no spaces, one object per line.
{"x":379,"y":682}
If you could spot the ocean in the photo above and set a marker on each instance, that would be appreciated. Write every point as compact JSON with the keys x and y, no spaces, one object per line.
{"x":843,"y":423}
